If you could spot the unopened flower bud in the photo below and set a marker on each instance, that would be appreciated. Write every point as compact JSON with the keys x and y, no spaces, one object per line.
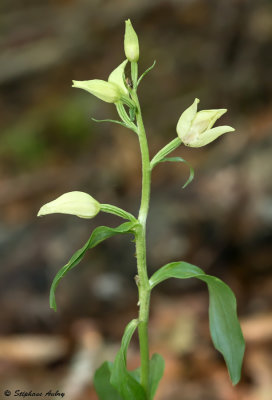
{"x":104,"y":90}
{"x":76,"y":203}
{"x":195,"y":128}
{"x":131,"y":43}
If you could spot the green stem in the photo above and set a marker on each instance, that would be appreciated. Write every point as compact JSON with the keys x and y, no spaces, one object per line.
{"x":110,"y":209}
{"x":175,"y":143}
{"x":140,"y":237}
{"x":134,"y":75}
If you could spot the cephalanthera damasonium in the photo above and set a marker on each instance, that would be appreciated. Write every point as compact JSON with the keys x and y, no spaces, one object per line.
{"x":195,"y":128}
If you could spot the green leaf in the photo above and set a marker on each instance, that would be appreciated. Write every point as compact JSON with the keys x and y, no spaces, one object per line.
{"x":104,"y":389}
{"x":146,"y":72}
{"x":156,"y":367}
{"x":224,"y":325}
{"x":136,"y":374}
{"x":114,"y":121}
{"x":121,"y":379}
{"x":180,"y":159}
{"x":98,"y":235}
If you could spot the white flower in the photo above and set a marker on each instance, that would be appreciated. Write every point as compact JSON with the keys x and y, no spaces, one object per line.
{"x":195,"y":129}
{"x":76,"y":203}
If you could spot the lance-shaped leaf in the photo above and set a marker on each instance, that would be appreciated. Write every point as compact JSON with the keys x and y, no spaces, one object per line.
{"x":224,"y":325}
{"x":98,"y":235}
{"x":103,"y":387}
{"x":106,"y":391}
{"x":180,"y":159}
{"x":146,"y":72}
{"x":156,"y":368}
{"x":121,"y":379}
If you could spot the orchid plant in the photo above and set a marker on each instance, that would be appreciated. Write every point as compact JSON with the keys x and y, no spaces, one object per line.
{"x":112,"y":380}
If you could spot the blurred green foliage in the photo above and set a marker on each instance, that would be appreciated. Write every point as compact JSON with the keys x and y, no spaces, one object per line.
{"x":58,"y":129}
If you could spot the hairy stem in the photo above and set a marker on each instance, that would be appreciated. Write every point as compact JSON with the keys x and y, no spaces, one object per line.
{"x":143,"y":282}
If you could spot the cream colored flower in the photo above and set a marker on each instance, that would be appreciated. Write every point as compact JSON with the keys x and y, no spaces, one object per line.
{"x":76,"y":203}
{"x":195,"y":129}
{"x":117,"y":77}
{"x":109,"y":91}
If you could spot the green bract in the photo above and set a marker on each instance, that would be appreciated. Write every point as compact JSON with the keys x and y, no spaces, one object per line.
{"x":98,"y":235}
{"x":195,"y":128}
{"x":76,"y":203}
{"x":131,"y":43}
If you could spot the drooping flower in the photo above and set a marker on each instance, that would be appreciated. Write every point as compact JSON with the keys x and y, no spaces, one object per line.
{"x":195,"y":128}
{"x":76,"y":203}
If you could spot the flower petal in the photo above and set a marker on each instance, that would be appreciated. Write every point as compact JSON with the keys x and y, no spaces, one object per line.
{"x":106,"y":91}
{"x":210,"y":135}
{"x":117,"y":77}
{"x":210,"y":116}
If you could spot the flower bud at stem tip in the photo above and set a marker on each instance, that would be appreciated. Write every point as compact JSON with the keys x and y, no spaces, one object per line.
{"x":131,"y":43}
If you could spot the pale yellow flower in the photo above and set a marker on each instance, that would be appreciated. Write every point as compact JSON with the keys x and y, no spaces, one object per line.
{"x":195,"y":129}
{"x":76,"y":203}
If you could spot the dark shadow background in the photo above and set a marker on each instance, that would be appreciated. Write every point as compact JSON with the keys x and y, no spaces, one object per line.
{"x":219,"y":51}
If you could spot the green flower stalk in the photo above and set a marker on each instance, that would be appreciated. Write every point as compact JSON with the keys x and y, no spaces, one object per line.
{"x":113,"y":381}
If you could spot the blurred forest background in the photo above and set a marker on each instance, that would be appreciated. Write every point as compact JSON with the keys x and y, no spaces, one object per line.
{"x":217,"y":50}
